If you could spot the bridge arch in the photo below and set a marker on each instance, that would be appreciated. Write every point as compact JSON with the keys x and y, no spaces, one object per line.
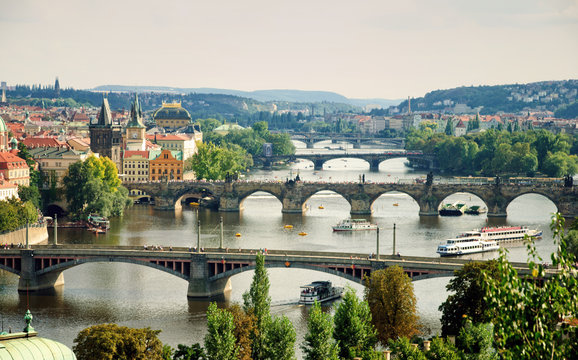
{"x":9,"y":269}
{"x":53,"y":209}
{"x":307,"y":197}
{"x":376,"y":198}
{"x":243,"y":196}
{"x":183,"y":271}
{"x":540,"y":194}
{"x":479,"y":197}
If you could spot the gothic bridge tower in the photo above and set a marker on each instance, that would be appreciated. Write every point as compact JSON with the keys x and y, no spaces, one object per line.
{"x":106,"y":136}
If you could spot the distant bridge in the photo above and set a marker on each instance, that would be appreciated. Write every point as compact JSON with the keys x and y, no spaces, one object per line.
{"x":356,"y":139}
{"x":209,"y":272}
{"x":360,"y":196}
{"x":374,"y":159}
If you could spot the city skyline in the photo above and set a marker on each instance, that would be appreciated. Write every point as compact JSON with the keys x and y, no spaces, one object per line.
{"x":374,"y":49}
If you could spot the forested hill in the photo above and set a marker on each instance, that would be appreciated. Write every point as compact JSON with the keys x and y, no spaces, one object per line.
{"x":546,"y":95}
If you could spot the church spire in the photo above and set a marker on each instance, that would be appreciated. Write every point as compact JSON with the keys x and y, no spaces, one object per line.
{"x":105,"y":116}
{"x":135,"y":114}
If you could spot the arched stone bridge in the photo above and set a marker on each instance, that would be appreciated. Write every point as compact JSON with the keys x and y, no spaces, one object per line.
{"x":374,"y":159}
{"x":356,"y":139}
{"x":208,"y":273}
{"x":294,"y":195}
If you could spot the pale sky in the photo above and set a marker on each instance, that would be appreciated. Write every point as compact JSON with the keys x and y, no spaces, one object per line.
{"x":358,"y":48}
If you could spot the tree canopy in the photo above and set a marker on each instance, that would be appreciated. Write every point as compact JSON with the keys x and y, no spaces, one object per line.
{"x":14,"y":214}
{"x":114,"y":342}
{"x":318,"y":343}
{"x":93,"y":186}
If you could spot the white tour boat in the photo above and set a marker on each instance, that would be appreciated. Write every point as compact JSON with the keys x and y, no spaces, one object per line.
{"x":354,"y":225}
{"x":485,"y":239}
{"x":319,"y":291}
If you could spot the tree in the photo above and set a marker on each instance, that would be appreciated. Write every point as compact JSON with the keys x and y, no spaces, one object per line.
{"x":441,"y":350}
{"x":29,"y":193}
{"x":528,"y":313}
{"x":403,"y":350}
{"x":389,"y":294}
{"x":354,"y":331}
{"x":94,"y":186}
{"x":560,"y":164}
{"x":110,"y":341}
{"x":214,"y":162}
{"x":193,"y":352}
{"x":220,"y":340}
{"x":466,"y":296}
{"x":475,"y":341}
{"x":245,"y":325}
{"x":449,"y":127}
{"x":318,"y":343}
{"x":280,"y":339}
{"x":258,"y":302}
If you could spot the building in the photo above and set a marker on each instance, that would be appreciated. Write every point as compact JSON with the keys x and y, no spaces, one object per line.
{"x":185,"y":143}
{"x":172,"y":116}
{"x":7,"y":190}
{"x":13,"y":168}
{"x":460,"y":129}
{"x":44,"y":142}
{"x":135,"y":130}
{"x":3,"y":136}
{"x":166,"y":165}
{"x":227,"y":128}
{"x":54,"y":162}
{"x":135,"y":166}
{"x":27,"y":345}
{"x":106,"y":136}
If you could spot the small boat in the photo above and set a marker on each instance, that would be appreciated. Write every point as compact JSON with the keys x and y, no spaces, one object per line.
{"x":97,"y":221}
{"x":455,"y":209}
{"x":395,"y":204}
{"x":238,"y":234}
{"x":302,"y":233}
{"x":319,"y":291}
{"x":354,"y":225}
{"x":288,"y":226}
{"x":321,"y":207}
{"x":475,"y":210}
{"x":97,"y":231}
{"x":194,"y":203}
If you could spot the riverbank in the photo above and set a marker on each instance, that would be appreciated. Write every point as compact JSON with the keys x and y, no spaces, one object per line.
{"x":37,"y":234}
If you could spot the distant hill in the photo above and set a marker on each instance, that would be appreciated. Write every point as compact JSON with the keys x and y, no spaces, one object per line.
{"x":545,"y":95}
{"x":298,"y":96}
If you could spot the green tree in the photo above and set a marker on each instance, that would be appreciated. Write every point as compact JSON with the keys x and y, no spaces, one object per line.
{"x":402,"y":349}
{"x":449,"y":127}
{"x":29,"y":193}
{"x":560,"y":164}
{"x":527,"y":313}
{"x":214,"y":162}
{"x":113,"y":342}
{"x":318,"y":343}
{"x":220,"y":340}
{"x":280,"y":339}
{"x":475,"y":341}
{"x":9,"y":218}
{"x":354,"y":331}
{"x":442,"y":350}
{"x":466,"y":297}
{"x":208,"y":125}
{"x":93,"y":186}
{"x":193,"y":352}
{"x":245,"y":325}
{"x":258,"y":302}
{"x":389,"y":294}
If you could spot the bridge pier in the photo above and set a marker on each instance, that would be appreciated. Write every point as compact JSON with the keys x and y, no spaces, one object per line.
{"x":30,"y":281}
{"x":374,"y":165}
{"x":166,"y":203}
{"x":360,"y":203}
{"x":229,"y":204}
{"x":309,"y":144}
{"x":428,"y":205}
{"x":318,"y":164}
{"x":200,"y":287}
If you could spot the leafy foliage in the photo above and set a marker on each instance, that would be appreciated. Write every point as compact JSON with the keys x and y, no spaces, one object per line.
{"x":280,"y":339}
{"x":245,"y":325}
{"x":403,"y":350}
{"x":467,"y":297}
{"x":442,"y":350}
{"x":475,"y":341}
{"x":354,"y":331}
{"x":193,"y":352}
{"x":389,"y":294}
{"x":530,"y":312}
{"x":93,"y":186}
{"x":113,"y":342}
{"x":213,"y":162}
{"x":220,"y":339}
{"x":258,"y":302}
{"x":14,"y":214}
{"x":318,"y":343}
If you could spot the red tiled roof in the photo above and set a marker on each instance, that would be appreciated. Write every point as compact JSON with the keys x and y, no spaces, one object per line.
{"x":130,"y":153}
{"x":11,"y":161}
{"x":34,"y":142}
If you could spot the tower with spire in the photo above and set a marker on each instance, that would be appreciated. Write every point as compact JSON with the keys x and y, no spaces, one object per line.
{"x":106,"y":136}
{"x":135,"y":129}
{"x":56,"y":88}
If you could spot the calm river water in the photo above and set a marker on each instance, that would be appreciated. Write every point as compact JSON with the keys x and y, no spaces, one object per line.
{"x":138,"y":296}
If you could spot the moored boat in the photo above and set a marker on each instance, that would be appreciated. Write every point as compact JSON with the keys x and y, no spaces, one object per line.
{"x":354,"y":225}
{"x":319,"y":291}
{"x":97,"y":221}
{"x":475,"y":210}
{"x":455,"y":209}
{"x":485,"y":239}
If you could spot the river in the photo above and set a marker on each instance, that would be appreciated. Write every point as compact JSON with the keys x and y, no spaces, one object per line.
{"x":138,"y":296}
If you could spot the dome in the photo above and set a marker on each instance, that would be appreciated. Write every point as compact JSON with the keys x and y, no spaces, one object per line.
{"x":24,"y":346}
{"x":172,"y":111}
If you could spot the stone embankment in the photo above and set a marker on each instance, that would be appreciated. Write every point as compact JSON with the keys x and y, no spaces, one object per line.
{"x":37,"y":234}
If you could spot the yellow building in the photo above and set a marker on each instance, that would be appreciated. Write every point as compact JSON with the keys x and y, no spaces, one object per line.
{"x":135,"y":166}
{"x":172,"y":116}
{"x":166,"y":165}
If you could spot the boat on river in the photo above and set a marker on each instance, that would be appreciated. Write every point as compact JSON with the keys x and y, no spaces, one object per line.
{"x":485,"y":239}
{"x":319,"y":291}
{"x":98,"y":222}
{"x":354,"y":225}
{"x":475,"y":210}
{"x":455,"y":209}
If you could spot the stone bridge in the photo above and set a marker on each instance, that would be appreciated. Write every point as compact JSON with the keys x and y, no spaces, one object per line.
{"x":374,"y":159}
{"x":356,"y":139}
{"x":360,"y":196}
{"x":208,"y":273}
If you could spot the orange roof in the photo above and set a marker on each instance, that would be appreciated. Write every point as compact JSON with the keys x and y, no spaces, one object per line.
{"x":169,"y":137}
{"x":11,"y":161}
{"x":34,"y":142}
{"x":130,"y":153}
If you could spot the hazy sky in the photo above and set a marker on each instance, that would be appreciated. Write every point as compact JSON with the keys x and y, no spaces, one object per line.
{"x":358,"y":48}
